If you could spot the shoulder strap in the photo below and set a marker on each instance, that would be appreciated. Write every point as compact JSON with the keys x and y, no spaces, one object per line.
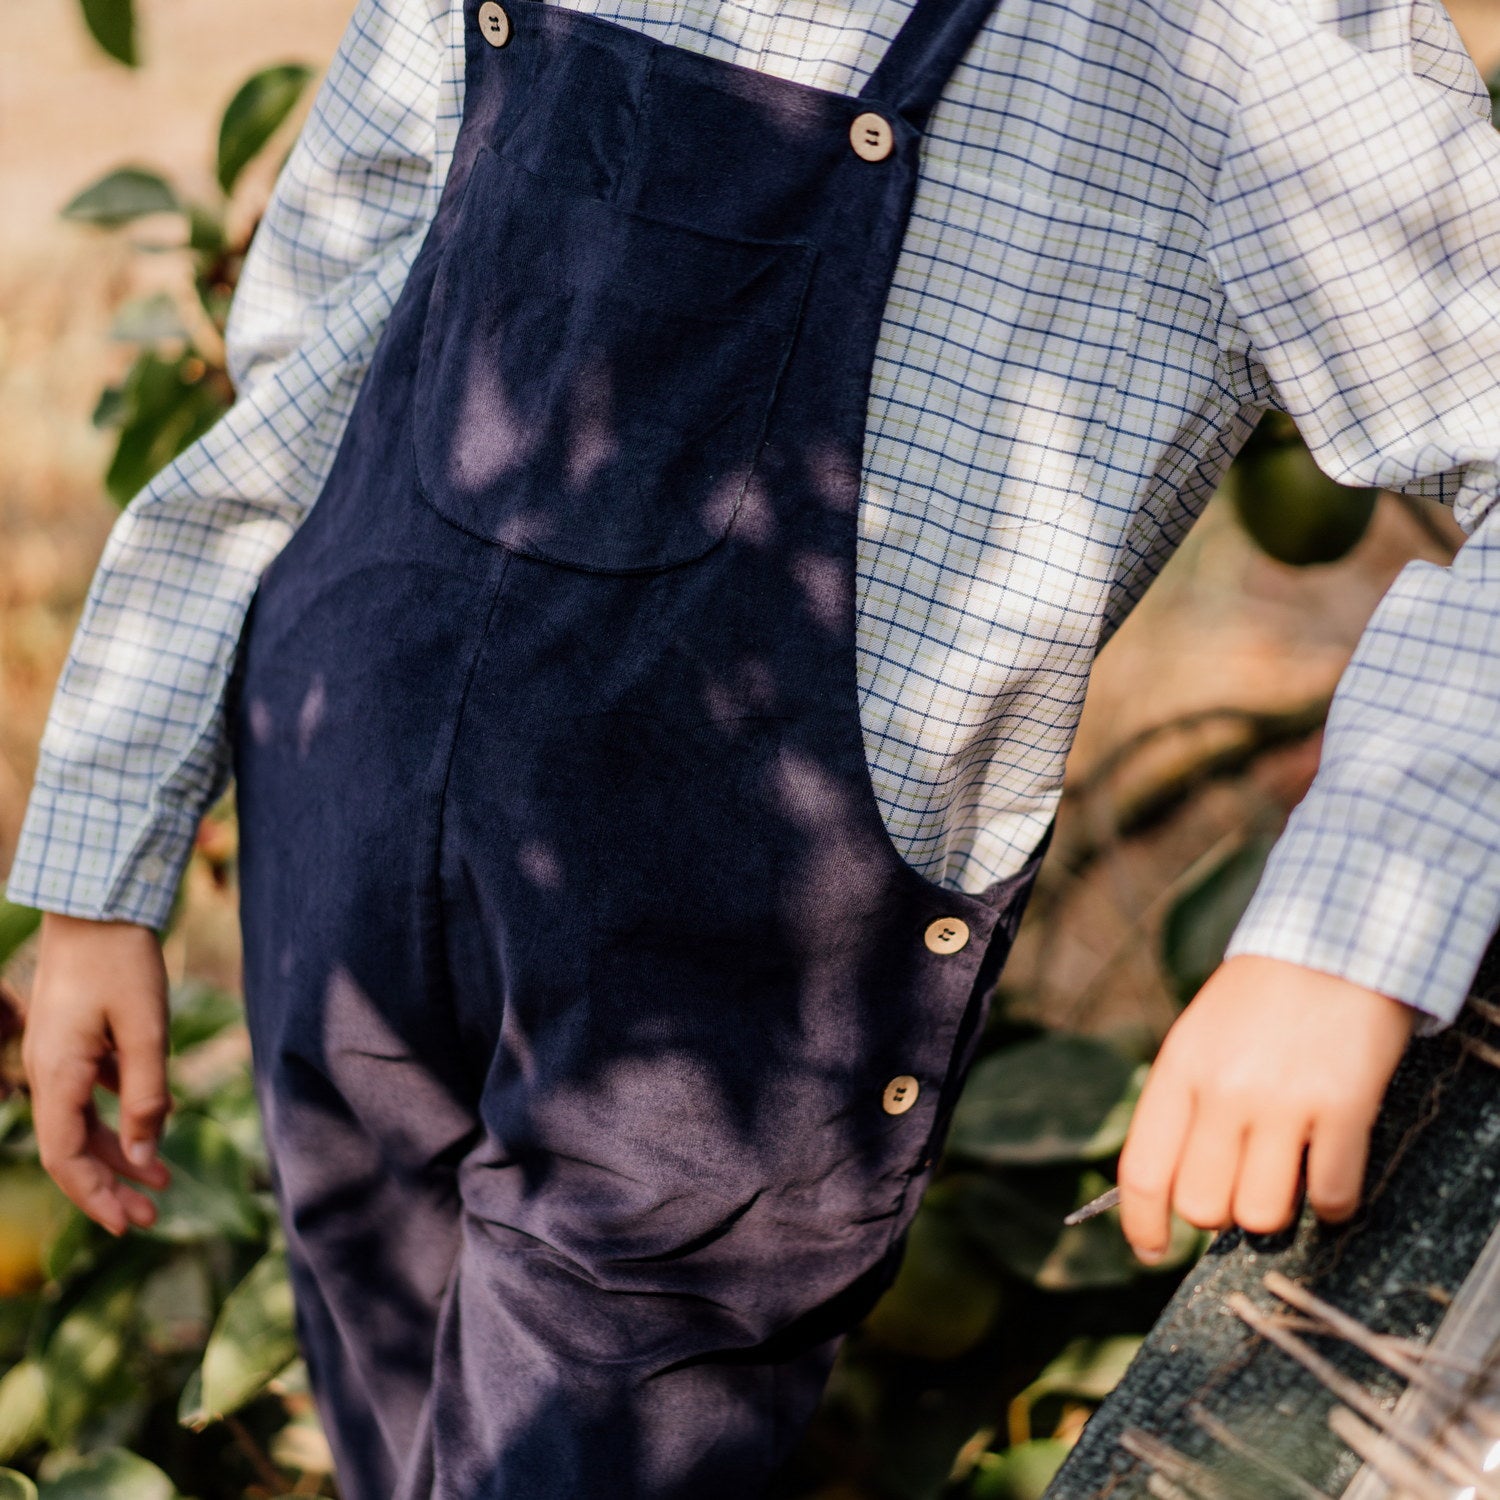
{"x":923,"y":55}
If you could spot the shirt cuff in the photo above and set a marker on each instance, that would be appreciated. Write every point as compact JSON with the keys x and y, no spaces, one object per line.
{"x":1346,"y":904}
{"x":90,"y":857}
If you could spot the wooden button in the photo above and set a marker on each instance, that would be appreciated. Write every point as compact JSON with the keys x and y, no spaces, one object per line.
{"x":871,"y":136}
{"x":900,"y":1094}
{"x":494,"y":24}
{"x":946,"y":935}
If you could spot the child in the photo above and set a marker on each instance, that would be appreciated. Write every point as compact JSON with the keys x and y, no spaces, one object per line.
{"x":734,"y":429}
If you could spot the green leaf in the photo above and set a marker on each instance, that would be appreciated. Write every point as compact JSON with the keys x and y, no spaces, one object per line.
{"x":109,"y":409}
{"x":264,"y":100}
{"x":301,"y":1444}
{"x":945,"y":1295}
{"x":76,"y":1245}
{"x":1057,"y":1098}
{"x":112,"y":24}
{"x":1087,"y":1368}
{"x":1017,"y":1223}
{"x":210,"y":1191}
{"x":126,"y":194}
{"x":190,"y":1404}
{"x":254,"y":1339}
{"x":201,"y":1012}
{"x":17,"y":923}
{"x":165,"y":406}
{"x":111,"y":1474}
{"x":176,"y":1306}
{"x":15,"y":1124}
{"x":148,"y":320}
{"x":16,"y":1486}
{"x":205,"y":230}
{"x":1017,"y":1218}
{"x":1020,"y":1473}
{"x":17,"y":1315}
{"x":86,"y":1358}
{"x":23,"y":1409}
{"x":1198,"y":927}
{"x":1096,"y":1254}
{"x":232,"y":1102}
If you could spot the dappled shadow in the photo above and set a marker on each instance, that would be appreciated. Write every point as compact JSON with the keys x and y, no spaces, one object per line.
{"x":564,"y":883}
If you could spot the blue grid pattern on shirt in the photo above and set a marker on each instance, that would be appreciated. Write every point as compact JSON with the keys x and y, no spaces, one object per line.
{"x":1137,"y":223}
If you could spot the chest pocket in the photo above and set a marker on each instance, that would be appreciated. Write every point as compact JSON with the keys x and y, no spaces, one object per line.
{"x":593,"y":385}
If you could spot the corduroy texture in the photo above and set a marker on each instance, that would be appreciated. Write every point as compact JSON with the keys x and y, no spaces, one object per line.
{"x":578,"y":957}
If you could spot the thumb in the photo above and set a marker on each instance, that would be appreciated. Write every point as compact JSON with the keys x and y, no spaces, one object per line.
{"x":140,"y":1035}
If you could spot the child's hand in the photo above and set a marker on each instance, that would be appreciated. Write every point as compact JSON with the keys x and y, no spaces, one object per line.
{"x":1270,"y":1057}
{"x":98,"y":1015}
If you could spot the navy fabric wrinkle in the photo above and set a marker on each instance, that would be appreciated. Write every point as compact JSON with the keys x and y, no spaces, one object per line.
{"x":578,"y":958}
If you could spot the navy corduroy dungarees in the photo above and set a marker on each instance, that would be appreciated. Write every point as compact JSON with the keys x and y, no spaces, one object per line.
{"x":603,"y":1037}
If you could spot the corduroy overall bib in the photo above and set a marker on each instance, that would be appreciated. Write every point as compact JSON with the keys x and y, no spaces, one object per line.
{"x":604,"y":1039}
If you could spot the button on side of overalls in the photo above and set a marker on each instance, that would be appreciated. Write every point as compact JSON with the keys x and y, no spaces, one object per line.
{"x":591,"y":850}
{"x":900,"y":1094}
{"x":946,"y":935}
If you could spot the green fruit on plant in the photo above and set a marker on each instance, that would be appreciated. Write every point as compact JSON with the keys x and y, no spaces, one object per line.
{"x":1292,"y":510}
{"x":31,"y":1210}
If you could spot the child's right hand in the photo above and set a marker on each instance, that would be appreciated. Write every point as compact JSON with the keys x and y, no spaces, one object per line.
{"x":98,"y":1015}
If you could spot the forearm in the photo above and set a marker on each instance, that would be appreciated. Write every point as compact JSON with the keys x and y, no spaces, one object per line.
{"x":134,"y":749}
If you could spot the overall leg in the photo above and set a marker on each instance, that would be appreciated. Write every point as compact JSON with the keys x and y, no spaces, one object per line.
{"x":697,"y":969}
{"x":351,"y":673}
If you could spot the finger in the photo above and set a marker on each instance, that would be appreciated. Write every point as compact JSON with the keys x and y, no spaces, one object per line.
{"x":1203,"y":1192}
{"x":104,"y":1143}
{"x":109,"y":1073}
{"x":1336,"y":1158}
{"x":61,"y":1095}
{"x":104,"y":1147}
{"x":140,"y":1037}
{"x":1270,"y":1176}
{"x":1148,"y":1163}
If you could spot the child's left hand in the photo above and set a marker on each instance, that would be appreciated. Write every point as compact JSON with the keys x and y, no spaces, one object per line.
{"x":1270,"y":1057}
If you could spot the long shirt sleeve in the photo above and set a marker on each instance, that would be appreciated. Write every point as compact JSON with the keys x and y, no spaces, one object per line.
{"x":134,"y":749}
{"x":1356,"y":232}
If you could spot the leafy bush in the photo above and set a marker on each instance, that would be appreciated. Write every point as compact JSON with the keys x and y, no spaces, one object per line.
{"x":176,"y":390}
{"x":176,"y":1341}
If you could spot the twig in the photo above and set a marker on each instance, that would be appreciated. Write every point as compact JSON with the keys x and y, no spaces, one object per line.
{"x":1176,"y":1467}
{"x":1162,"y":1488}
{"x":1389,"y":1461}
{"x":1395,"y":1356}
{"x":268,"y":1472}
{"x":1486,"y":1009}
{"x":1482,"y":1050}
{"x":1348,"y":1391}
{"x":1424,"y":1355}
{"x":1228,"y":1438}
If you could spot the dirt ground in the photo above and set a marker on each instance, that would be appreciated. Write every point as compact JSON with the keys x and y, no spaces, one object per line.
{"x":1222,"y":627}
